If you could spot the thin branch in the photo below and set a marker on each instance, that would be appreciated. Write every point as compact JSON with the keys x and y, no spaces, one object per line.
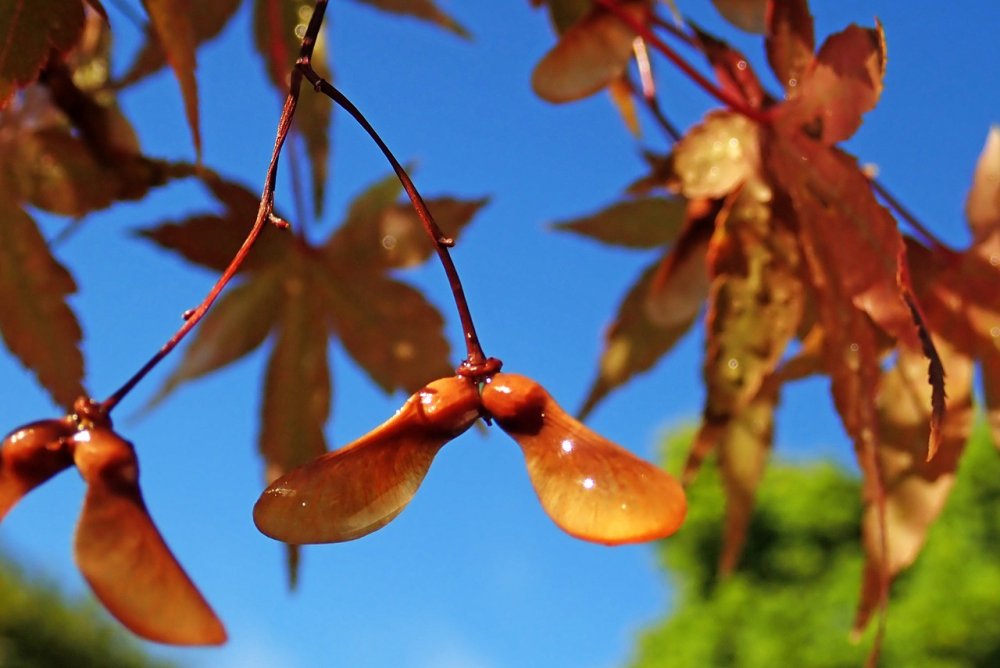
{"x":643,"y":31}
{"x":264,"y":216}
{"x":908,"y":216}
{"x":476,"y":362}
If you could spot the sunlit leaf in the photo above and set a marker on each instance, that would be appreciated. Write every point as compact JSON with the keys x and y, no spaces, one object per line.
{"x":207,"y":17}
{"x":590,"y":55}
{"x":844,"y":82}
{"x":388,"y":327}
{"x":982,"y":207}
{"x":122,"y":555}
{"x":744,"y":14}
{"x":172,"y":22}
{"x":916,"y":490}
{"x":591,"y":488}
{"x":361,"y":487}
{"x":424,"y":10}
{"x":279,"y":26}
{"x":620,"y":91}
{"x":646,"y":222}
{"x":29,"y":31}
{"x":716,"y":156}
{"x":29,"y":456}
{"x":790,"y":42}
{"x":37,"y":325}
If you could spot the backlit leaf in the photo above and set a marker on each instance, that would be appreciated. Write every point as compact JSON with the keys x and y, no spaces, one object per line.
{"x":29,"y":31}
{"x":744,"y":14}
{"x":590,"y":55}
{"x":716,"y":156}
{"x":646,"y":222}
{"x":37,"y":325}
{"x":172,"y":22}
{"x":564,"y":13}
{"x":790,"y":42}
{"x":916,"y":490}
{"x":31,"y":455}
{"x":732,"y":69}
{"x":844,"y":82}
{"x":424,"y":10}
{"x":207,"y":17}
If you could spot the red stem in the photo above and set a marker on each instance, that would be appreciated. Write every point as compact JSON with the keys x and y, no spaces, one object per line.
{"x":264,"y":215}
{"x":906,"y":215}
{"x":643,"y":31}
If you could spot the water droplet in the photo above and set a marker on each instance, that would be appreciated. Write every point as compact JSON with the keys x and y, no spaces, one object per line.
{"x":995,"y":332}
{"x":733,"y":363}
{"x":567,"y":445}
{"x":793,"y":82}
{"x":388,"y":242}
{"x":588,"y":483}
{"x":741,"y":65}
{"x":995,"y":260}
{"x":300,"y":30}
{"x":855,"y":347}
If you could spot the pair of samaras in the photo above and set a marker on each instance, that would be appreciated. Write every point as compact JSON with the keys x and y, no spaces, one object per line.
{"x":592,"y":488}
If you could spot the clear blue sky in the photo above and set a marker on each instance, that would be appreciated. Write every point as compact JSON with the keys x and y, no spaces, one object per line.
{"x":472,"y":574}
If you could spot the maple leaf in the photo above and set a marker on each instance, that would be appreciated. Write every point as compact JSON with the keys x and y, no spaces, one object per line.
{"x":207,"y":19}
{"x":30,"y":30}
{"x":36,"y":323}
{"x":789,"y":42}
{"x":588,"y":56}
{"x":172,"y":22}
{"x":425,"y":10}
{"x":278,"y":26}
{"x":746,"y":15}
{"x":732,"y":69}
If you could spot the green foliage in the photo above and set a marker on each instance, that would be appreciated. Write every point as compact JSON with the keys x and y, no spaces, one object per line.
{"x":791,"y":600}
{"x":40,"y":629}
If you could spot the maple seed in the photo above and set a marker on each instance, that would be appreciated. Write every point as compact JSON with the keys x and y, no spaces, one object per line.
{"x":30,"y":455}
{"x":592,"y":488}
{"x":353,"y":491}
{"x":123,"y":556}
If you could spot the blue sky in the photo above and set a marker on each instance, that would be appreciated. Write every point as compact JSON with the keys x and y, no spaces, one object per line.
{"x":472,"y":574}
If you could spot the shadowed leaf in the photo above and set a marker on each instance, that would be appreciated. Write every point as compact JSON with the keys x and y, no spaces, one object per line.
{"x":646,"y":222}
{"x":790,"y":42}
{"x":389,"y":328}
{"x":656,"y":312}
{"x":172,"y":22}
{"x":361,"y":487}
{"x":424,"y":10}
{"x":36,"y":323}
{"x":744,"y":14}
{"x":592,"y":488}
{"x":732,"y":69}
{"x":564,"y":13}
{"x":122,"y":555}
{"x":207,"y":17}
{"x":589,"y":55}
{"x":29,"y":31}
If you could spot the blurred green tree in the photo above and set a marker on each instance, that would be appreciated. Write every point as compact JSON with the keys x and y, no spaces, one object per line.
{"x":40,"y":628}
{"x":792,"y":599}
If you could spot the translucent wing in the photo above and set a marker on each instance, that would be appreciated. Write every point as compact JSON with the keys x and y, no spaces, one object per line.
{"x":122,"y":555}
{"x":30,"y":455}
{"x":592,"y":488}
{"x":361,"y":487}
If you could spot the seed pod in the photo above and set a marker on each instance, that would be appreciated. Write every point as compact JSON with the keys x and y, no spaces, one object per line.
{"x":592,"y":488}
{"x":361,"y":487}
{"x":30,"y":455}
{"x":123,"y":556}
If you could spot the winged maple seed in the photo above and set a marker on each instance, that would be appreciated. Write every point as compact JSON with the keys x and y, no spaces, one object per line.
{"x":592,"y":488}
{"x":117,"y":547}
